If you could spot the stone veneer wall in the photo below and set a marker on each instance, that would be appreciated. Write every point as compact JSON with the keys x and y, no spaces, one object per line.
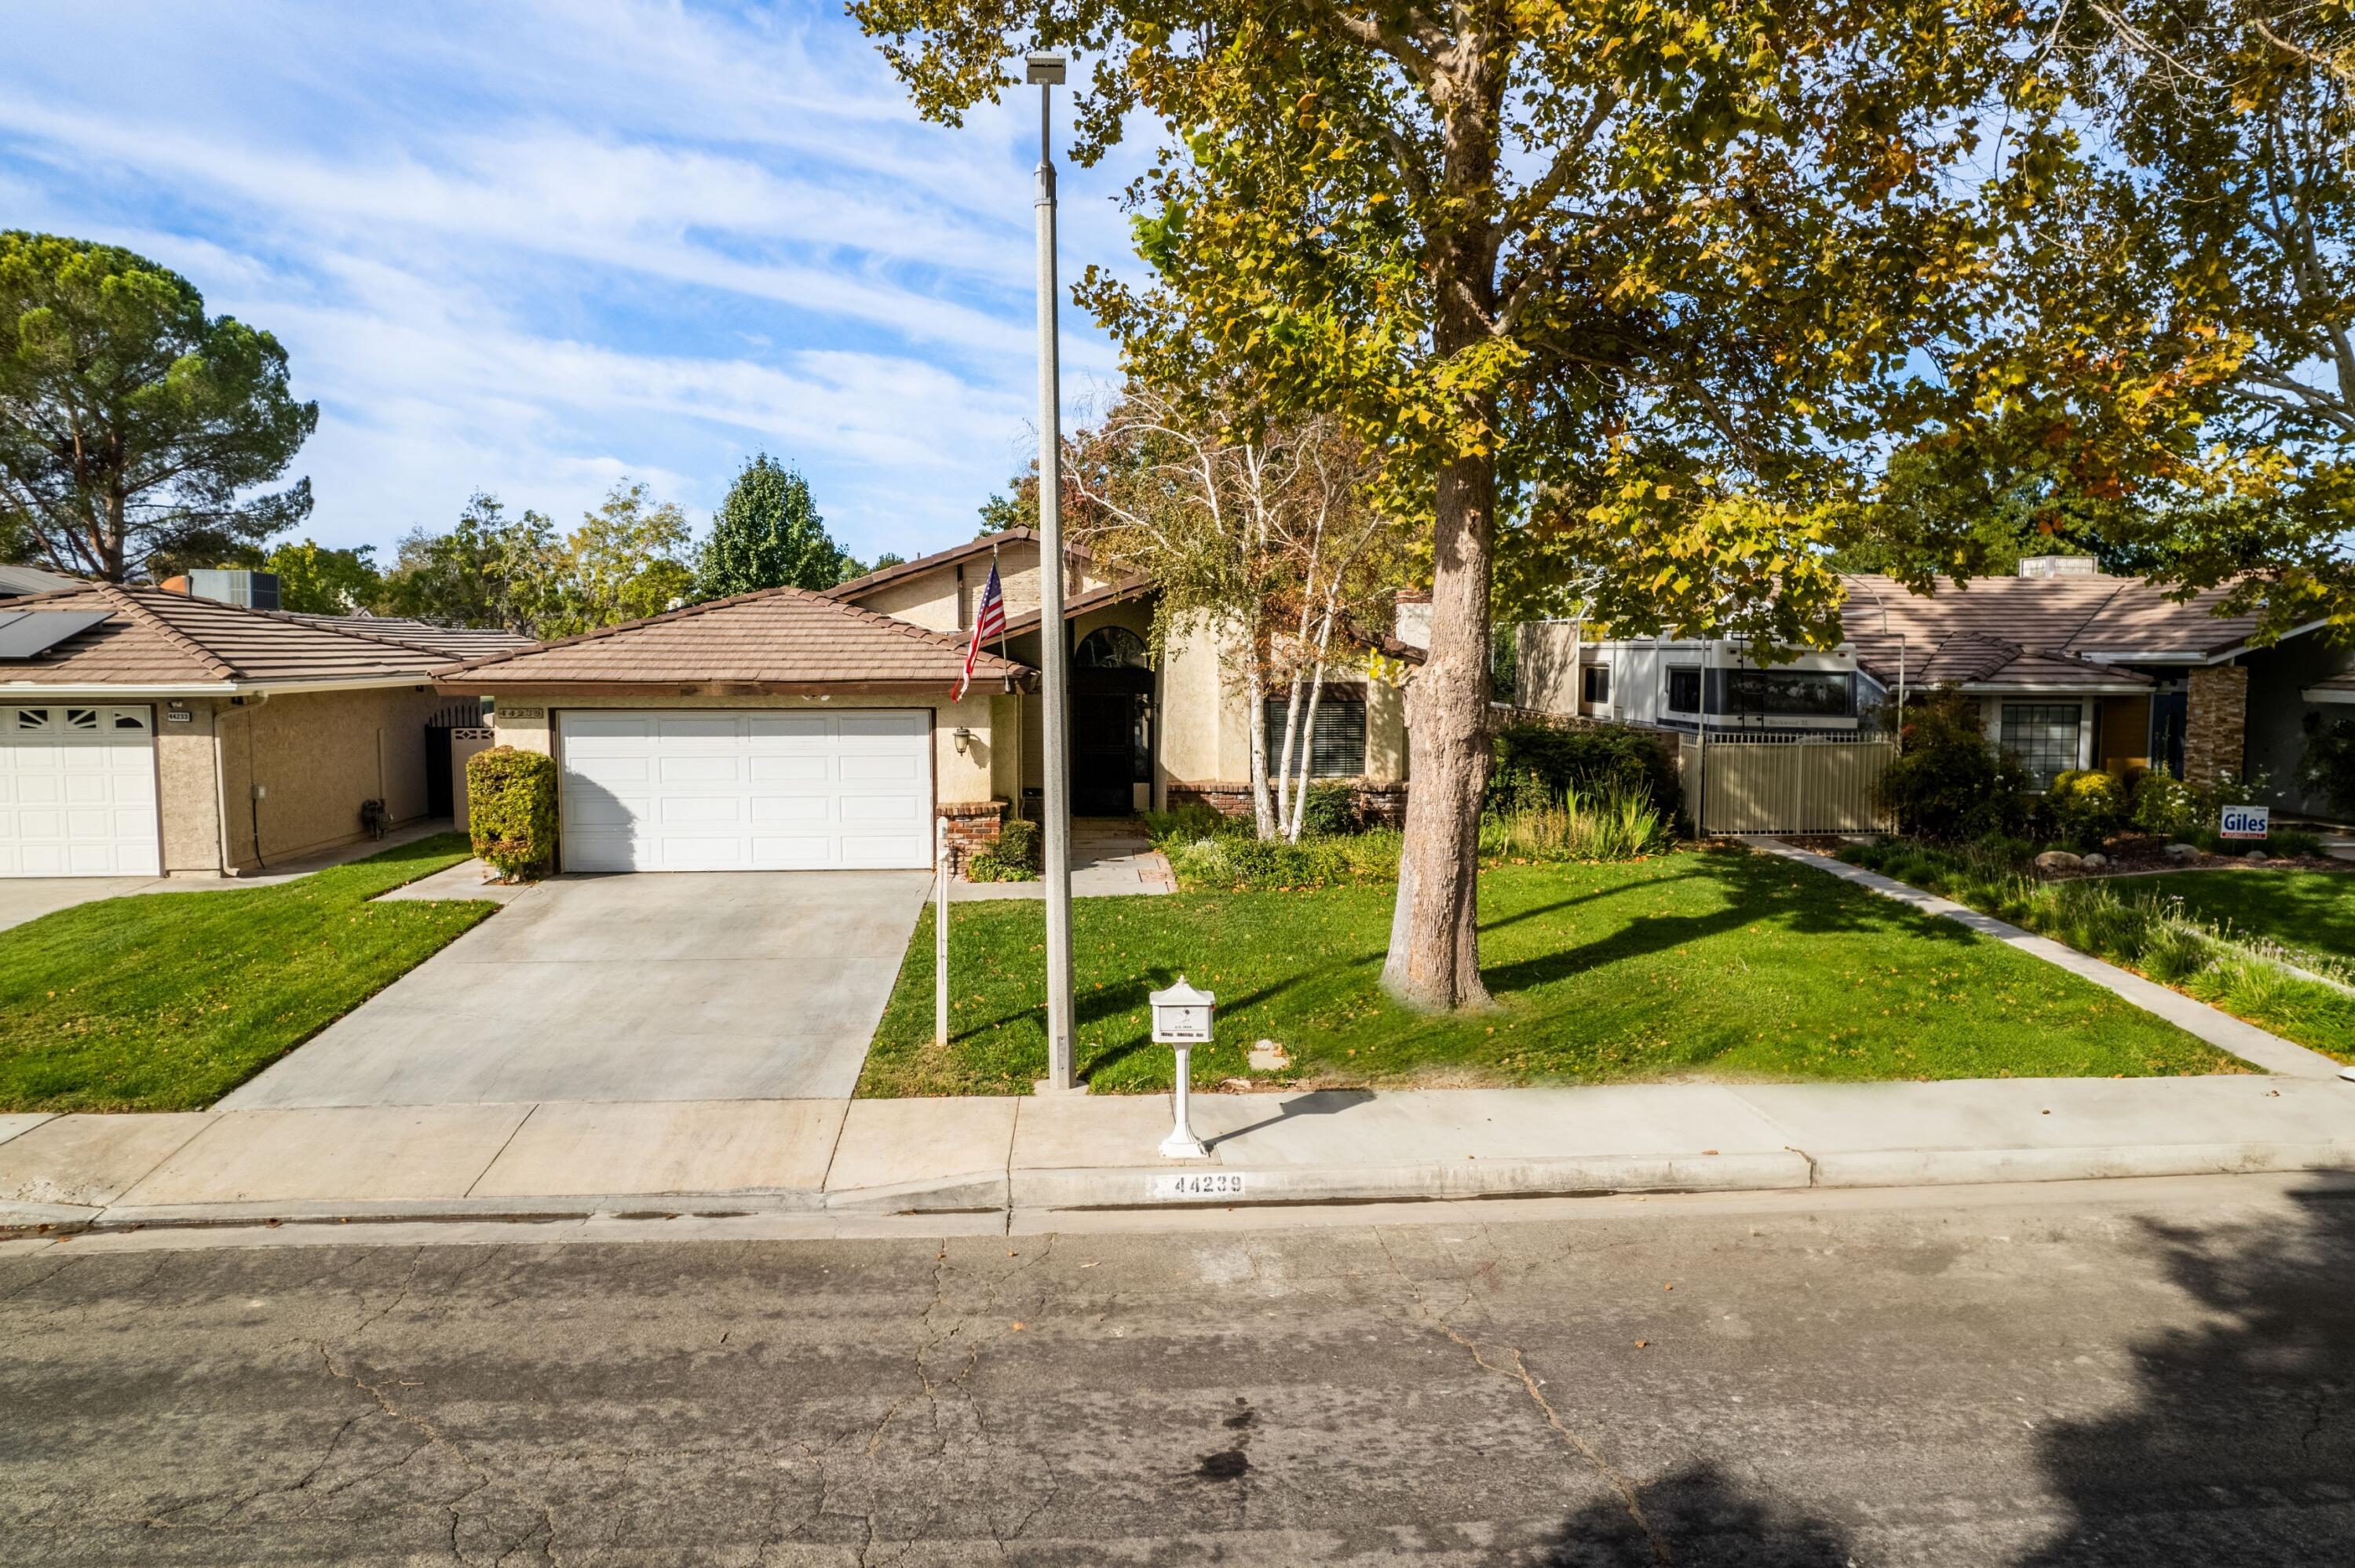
{"x":2215,"y":732}
{"x":974,"y":826}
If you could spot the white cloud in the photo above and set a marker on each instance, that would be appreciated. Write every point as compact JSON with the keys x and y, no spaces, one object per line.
{"x":531,"y":246}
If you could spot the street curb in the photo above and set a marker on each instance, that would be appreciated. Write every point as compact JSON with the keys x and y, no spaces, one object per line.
{"x":1135,"y":1188}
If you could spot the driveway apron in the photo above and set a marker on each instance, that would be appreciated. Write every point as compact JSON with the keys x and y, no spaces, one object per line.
{"x":678,"y":986}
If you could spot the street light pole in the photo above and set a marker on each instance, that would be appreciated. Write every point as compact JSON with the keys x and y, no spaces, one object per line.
{"x":1045,"y":71}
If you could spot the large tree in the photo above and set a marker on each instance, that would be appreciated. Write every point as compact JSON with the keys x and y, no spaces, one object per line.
{"x":133,"y":428}
{"x":627,"y":560}
{"x":1634,"y":277}
{"x":489,"y":570}
{"x":316,"y":579}
{"x":768,"y":533}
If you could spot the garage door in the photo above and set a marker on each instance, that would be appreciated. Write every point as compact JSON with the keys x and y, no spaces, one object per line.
{"x":746,"y":790}
{"x":77,"y":793}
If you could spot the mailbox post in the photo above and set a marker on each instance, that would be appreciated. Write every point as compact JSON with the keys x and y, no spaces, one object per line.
{"x":1181,"y":1018}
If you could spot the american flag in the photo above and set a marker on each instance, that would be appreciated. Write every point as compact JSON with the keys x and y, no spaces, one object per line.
{"x":988,"y":622}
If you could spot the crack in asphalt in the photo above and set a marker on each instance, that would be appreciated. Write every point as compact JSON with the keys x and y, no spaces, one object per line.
{"x":1518,"y":1371}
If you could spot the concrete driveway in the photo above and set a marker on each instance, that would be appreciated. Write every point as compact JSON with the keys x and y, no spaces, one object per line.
{"x":24,"y":898}
{"x":682,"y":986}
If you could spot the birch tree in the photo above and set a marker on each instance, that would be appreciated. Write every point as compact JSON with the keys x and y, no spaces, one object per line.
{"x":1263,"y":537}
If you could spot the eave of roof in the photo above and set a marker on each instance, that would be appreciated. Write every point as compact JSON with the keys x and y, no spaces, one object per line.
{"x":1079,"y":604}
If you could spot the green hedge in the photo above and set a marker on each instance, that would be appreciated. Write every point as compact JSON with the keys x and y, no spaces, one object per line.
{"x":511,"y":809}
{"x":1537,"y":765}
{"x":1229,"y":864}
{"x":1013,"y":858}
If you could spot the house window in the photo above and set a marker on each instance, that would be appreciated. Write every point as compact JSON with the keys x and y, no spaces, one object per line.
{"x":2043,"y":736}
{"x":1339,"y":750}
{"x":1684,"y":691}
{"x":1594,"y":683}
{"x":1790,"y":694}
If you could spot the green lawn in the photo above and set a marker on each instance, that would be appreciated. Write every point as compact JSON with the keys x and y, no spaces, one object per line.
{"x":2311,"y":911}
{"x":167,"y":1001}
{"x":1717,"y":963}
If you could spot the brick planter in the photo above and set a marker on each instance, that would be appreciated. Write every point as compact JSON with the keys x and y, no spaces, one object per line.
{"x":973,"y":826}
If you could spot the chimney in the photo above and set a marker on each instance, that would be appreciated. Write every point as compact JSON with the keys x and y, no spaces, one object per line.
{"x":2059,"y":567}
{"x":230,"y":585}
{"x":1411,"y":621}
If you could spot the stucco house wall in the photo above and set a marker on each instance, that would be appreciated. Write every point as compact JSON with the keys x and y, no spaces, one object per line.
{"x":317,"y":756}
{"x":187,"y":784}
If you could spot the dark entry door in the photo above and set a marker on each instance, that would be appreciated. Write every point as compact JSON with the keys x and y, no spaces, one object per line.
{"x":1103,"y":753}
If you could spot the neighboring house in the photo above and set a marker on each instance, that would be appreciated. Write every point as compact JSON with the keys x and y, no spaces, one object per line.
{"x":2072,"y":669}
{"x":18,"y":581}
{"x":1145,"y":733}
{"x":146,"y":732}
{"x":786,"y":729}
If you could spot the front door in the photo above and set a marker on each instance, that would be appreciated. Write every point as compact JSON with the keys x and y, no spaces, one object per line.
{"x":1104,"y":726}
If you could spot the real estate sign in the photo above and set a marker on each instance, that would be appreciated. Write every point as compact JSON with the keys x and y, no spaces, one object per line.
{"x":2245,"y":821}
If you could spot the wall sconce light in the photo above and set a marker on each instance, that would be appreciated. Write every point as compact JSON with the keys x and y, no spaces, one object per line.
{"x":964,"y":738}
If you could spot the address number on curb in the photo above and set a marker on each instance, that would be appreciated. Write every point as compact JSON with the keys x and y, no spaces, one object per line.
{"x":1199,"y":1184}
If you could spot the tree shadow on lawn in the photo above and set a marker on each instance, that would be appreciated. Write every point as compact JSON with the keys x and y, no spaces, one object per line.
{"x":1758,"y":890}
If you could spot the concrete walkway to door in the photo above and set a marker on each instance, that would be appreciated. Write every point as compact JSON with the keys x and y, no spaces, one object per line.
{"x":676,"y":986}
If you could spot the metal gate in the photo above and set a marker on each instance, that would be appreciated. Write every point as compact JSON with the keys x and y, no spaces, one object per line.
{"x":440,"y":797}
{"x":1786,"y":783}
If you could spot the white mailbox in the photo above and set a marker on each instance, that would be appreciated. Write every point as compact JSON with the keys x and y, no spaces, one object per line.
{"x":1181,"y":1015}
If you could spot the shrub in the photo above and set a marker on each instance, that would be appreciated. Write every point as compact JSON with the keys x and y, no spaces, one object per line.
{"x":1229,"y":862}
{"x":1331,"y":809}
{"x":2084,"y":808}
{"x":511,"y":809}
{"x":1948,"y":781}
{"x":2166,"y":806}
{"x":1534,"y":757}
{"x":1612,"y":823}
{"x":1018,"y":844}
{"x":1195,"y":819}
{"x":1013,"y":858}
{"x":2328,"y":765}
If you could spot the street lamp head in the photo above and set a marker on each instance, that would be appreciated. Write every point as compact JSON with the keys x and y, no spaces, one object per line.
{"x":1043,"y":70}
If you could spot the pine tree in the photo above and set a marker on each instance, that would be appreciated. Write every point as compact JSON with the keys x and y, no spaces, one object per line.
{"x":768,"y":533}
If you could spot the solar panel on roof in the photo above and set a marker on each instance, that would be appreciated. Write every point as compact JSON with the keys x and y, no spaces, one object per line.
{"x":25,"y":633}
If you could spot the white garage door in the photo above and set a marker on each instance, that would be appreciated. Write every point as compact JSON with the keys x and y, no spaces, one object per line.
{"x":746,"y":790}
{"x":77,"y":791}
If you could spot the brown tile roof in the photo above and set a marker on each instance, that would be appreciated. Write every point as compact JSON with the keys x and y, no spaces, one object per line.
{"x":1079,"y":604}
{"x":2044,"y":632}
{"x":152,"y":638}
{"x":458,"y":641}
{"x":780,"y":636}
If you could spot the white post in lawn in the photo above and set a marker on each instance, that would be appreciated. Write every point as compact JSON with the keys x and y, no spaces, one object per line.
{"x":1044,"y":71}
{"x":941,"y":931}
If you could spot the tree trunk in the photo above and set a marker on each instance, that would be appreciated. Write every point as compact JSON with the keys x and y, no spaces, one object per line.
{"x":1434,"y":957}
{"x":1256,"y":694}
{"x":1307,"y":751}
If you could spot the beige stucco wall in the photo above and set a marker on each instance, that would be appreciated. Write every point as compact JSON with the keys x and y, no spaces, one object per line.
{"x":1205,"y":729}
{"x":930,"y":599}
{"x":188,"y":787}
{"x":319,"y":755}
{"x":1546,"y":654}
{"x":957,"y":777}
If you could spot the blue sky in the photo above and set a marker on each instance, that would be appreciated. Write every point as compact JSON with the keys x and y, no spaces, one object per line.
{"x":530,"y":247}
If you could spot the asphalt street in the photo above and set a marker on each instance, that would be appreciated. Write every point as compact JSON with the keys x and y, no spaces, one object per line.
{"x":2130,"y":1372}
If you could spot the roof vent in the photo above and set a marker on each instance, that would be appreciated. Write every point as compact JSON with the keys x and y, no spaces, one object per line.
{"x":254,"y":590}
{"x":2059,"y":567}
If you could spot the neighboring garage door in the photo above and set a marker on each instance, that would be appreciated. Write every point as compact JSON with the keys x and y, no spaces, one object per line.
{"x":746,"y":789}
{"x":77,"y":791}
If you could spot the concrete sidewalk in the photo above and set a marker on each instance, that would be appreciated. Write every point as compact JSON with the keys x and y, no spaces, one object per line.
{"x":1098,"y":1152}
